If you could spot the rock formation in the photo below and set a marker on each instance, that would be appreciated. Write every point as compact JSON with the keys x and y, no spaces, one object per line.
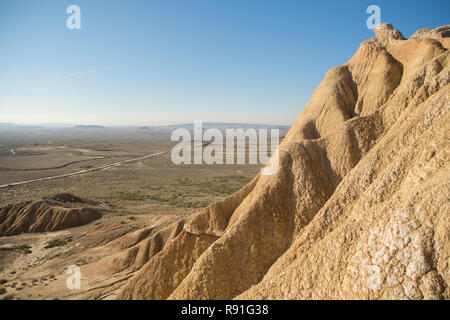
{"x":50,"y":214}
{"x":135,"y":249}
{"x":359,"y":208}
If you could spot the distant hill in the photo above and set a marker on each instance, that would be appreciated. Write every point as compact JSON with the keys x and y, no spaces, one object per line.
{"x":95,"y":127}
{"x":146,"y":128}
{"x":215,"y":125}
{"x":11,"y":127}
{"x":7,"y":124}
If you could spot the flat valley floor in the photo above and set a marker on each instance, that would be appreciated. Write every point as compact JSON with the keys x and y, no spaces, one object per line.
{"x":148,"y":194}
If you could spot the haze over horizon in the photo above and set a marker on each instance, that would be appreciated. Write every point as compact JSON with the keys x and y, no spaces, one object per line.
{"x":159,"y":62}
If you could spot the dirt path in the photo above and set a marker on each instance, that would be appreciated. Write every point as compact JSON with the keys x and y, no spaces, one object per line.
{"x":84,"y":171}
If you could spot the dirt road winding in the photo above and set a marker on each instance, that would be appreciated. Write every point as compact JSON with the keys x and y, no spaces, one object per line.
{"x":83,"y":171}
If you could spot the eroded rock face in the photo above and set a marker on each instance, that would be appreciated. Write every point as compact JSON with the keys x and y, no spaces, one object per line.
{"x":438,"y":33}
{"x":385,"y":32}
{"x":359,"y":208}
{"x":51,"y":214}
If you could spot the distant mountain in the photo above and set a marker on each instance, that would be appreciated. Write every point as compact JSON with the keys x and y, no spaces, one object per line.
{"x":11,"y":127}
{"x":7,"y":124}
{"x":216,"y":125}
{"x":146,"y":128}
{"x":90,"y":127}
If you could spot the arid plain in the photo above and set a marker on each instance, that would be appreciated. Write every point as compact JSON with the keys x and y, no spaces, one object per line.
{"x":126,"y":175}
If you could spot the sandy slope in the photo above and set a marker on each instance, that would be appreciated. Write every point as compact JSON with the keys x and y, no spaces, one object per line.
{"x":108,"y":251}
{"x":359,"y":207}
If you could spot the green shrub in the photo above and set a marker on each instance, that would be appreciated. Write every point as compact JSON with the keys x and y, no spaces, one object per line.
{"x":57,"y":242}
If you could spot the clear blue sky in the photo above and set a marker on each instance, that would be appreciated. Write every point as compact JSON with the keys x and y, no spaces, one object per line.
{"x":165,"y":61}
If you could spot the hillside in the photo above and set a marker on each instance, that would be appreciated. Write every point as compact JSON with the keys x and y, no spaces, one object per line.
{"x":359,"y":207}
{"x":59,"y":212}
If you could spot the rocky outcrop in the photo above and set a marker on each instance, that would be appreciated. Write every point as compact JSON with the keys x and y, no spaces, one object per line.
{"x":359,"y":207}
{"x":135,"y":249}
{"x":51,"y":214}
{"x":438,"y":33}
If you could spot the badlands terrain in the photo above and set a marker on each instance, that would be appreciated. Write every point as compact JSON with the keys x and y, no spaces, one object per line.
{"x":359,"y":208}
{"x":49,"y":225}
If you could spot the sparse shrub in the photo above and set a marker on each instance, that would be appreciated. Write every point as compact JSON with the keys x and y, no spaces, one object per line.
{"x":132,"y":196}
{"x":58,"y":242}
{"x":25,"y":248}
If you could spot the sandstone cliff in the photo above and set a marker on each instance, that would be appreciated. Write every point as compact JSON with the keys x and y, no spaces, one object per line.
{"x":359,"y":207}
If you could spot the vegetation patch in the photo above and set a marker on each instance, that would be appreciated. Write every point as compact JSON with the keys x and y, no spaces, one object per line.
{"x":25,"y":248}
{"x":132,"y":196}
{"x":221,"y":185}
{"x":58,"y":242}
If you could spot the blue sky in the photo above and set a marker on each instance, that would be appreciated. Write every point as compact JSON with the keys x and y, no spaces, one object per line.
{"x":165,"y":61}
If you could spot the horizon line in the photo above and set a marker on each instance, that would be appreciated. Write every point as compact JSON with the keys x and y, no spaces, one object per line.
{"x":69,"y":125}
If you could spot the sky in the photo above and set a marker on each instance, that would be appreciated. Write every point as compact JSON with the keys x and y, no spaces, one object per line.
{"x":150,"y":62}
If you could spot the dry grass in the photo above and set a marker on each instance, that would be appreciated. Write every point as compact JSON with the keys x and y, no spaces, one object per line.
{"x":151,"y":185}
